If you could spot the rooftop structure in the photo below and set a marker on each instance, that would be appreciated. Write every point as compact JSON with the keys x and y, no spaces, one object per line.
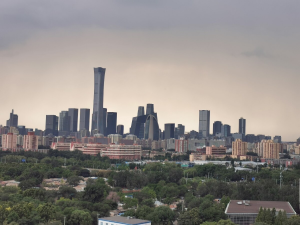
{"x":117,"y":220}
{"x":245,"y":212}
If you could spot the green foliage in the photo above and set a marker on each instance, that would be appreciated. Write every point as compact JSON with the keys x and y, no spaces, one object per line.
{"x":46,"y":211}
{"x":80,"y":217}
{"x":74,"y":180}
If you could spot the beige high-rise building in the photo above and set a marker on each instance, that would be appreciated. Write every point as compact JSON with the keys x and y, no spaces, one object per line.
{"x":268,"y":149}
{"x":239,"y":147}
{"x":9,"y":141}
{"x":30,"y":142}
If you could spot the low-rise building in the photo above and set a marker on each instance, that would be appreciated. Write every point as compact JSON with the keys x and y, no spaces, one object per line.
{"x":120,"y":220}
{"x":60,"y":146}
{"x":127,"y":152}
{"x":214,"y":150}
{"x":245,"y":212}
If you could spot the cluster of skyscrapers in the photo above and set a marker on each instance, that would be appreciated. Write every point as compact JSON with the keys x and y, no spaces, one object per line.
{"x":144,"y":125}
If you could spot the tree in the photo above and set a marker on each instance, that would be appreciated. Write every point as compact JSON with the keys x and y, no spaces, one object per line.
{"x":74,"y":180}
{"x":225,"y":200}
{"x":80,"y":217}
{"x":225,"y":222}
{"x":281,"y":219}
{"x":190,"y":217}
{"x":46,"y":211}
{"x":113,"y":196}
{"x":67,"y":192}
{"x":162,"y":214}
{"x":95,"y":192}
{"x":143,"y":211}
{"x":294,"y":220}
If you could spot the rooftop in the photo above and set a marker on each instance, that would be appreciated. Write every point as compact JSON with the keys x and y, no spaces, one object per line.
{"x":252,"y":207}
{"x":124,"y":220}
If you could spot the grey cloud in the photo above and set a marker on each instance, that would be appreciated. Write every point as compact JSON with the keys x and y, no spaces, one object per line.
{"x":20,"y":19}
{"x":258,"y":52}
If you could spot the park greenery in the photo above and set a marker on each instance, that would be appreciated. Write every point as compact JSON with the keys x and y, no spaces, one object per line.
{"x":200,"y":193}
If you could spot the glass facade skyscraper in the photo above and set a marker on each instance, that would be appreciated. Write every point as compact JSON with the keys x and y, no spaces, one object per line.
{"x":111,"y":123}
{"x":64,"y":121}
{"x":242,"y":126}
{"x":99,"y":116}
{"x":84,"y":123}
{"x":73,"y":114}
{"x":141,"y":111}
{"x":204,"y":122}
{"x":51,"y":125}
{"x":217,"y":127}
{"x":169,"y":130}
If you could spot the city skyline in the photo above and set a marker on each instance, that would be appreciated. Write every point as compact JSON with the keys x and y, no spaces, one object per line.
{"x":233,"y":61}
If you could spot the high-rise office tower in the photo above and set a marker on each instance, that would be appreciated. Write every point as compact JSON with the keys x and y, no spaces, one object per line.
{"x":204,"y":122}
{"x":151,"y":128}
{"x":150,"y":109}
{"x":141,"y":111}
{"x":104,"y":121}
{"x":242,"y":125}
{"x":22,"y":130}
{"x":84,"y":123}
{"x":217,"y":127}
{"x":138,"y":125}
{"x":73,"y":114}
{"x":64,"y":121}
{"x":169,"y":130}
{"x":120,"y":129}
{"x":98,"y":112}
{"x":13,"y":120}
{"x":181,"y":129}
{"x":111,"y":123}
{"x":226,"y":130}
{"x":51,"y":125}
{"x":277,"y":139}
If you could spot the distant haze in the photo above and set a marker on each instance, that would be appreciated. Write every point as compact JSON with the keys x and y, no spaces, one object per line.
{"x":235,"y":58}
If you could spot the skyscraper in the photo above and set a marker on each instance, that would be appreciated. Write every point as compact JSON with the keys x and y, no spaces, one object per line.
{"x":217,"y":127}
{"x":169,"y":130}
{"x":151,"y":128}
{"x":84,"y":119}
{"x":242,"y":125}
{"x":226,"y":130}
{"x":141,"y":111}
{"x":204,"y":121}
{"x":13,"y":120}
{"x":104,"y":121}
{"x":150,"y":109}
{"x":64,"y":122}
{"x":51,"y":125}
{"x":73,"y":114}
{"x":98,"y":114}
{"x":120,"y":129}
{"x":181,"y":129}
{"x":111,"y":123}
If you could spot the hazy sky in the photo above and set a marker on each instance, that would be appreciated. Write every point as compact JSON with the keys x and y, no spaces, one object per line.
{"x":235,"y":58}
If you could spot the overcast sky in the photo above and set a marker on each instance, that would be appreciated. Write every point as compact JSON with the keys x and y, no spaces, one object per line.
{"x":235,"y":58}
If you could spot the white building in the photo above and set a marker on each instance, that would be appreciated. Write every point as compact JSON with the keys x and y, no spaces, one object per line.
{"x":120,"y":220}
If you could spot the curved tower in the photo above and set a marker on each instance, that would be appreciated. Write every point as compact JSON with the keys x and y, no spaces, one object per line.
{"x":99,"y":117}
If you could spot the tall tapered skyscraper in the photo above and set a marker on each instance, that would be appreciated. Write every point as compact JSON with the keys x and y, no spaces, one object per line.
{"x":204,"y":121}
{"x":99,"y":117}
